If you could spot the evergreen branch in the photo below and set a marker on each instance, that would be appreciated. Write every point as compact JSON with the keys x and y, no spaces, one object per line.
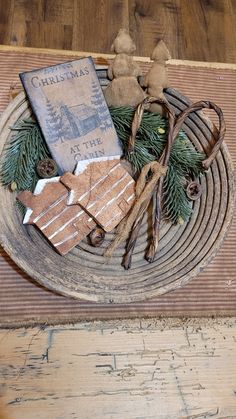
{"x":185,"y":161}
{"x":176,"y":206}
{"x":21,"y":155}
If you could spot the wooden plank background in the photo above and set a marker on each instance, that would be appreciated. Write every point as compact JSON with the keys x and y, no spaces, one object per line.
{"x":148,"y":369}
{"x":128,"y":369}
{"x":202,"y":30}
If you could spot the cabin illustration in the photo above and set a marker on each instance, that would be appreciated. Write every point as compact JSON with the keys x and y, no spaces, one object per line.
{"x":80,"y":119}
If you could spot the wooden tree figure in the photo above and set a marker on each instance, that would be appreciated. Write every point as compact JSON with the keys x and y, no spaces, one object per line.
{"x":103,"y":188}
{"x":156,"y":79}
{"x":124,"y":89}
{"x":64,"y":226}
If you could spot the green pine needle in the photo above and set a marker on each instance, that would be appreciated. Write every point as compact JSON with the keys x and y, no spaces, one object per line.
{"x":175,"y":202}
{"x":185,"y":160}
{"x":21,"y":155}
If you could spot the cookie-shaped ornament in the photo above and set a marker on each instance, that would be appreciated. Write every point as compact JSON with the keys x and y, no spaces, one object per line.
{"x":64,"y":226}
{"x":103,"y":188}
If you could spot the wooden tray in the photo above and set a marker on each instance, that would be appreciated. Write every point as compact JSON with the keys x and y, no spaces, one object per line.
{"x":183,"y":250}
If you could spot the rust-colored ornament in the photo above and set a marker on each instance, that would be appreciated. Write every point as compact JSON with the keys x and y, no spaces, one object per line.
{"x":96,"y":237}
{"x":47,"y":168}
{"x":194,"y":190}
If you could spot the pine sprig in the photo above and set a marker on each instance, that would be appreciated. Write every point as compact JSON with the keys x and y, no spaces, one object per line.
{"x":176,"y":205}
{"x":21,"y":155}
{"x":185,"y":157}
{"x":185,"y":160}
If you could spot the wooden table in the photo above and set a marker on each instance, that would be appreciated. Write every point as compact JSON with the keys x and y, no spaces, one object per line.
{"x":160,"y":369}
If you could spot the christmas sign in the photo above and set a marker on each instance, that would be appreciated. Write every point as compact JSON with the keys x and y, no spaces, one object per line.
{"x":71,"y":110}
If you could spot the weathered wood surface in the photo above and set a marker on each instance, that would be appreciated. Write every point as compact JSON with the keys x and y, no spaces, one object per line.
{"x":162,"y":369}
{"x":195,"y":30}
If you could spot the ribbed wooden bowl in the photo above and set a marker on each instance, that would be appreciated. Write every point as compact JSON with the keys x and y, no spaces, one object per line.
{"x":183,"y":250}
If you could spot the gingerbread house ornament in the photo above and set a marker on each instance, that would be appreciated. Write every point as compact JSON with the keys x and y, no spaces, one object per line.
{"x":67,"y":208}
{"x":64,"y":226}
{"x":103,"y":188}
